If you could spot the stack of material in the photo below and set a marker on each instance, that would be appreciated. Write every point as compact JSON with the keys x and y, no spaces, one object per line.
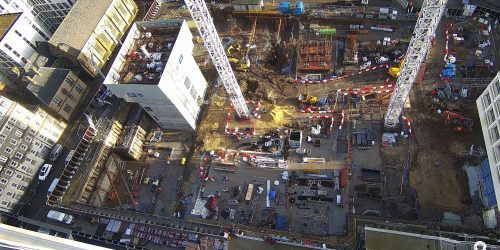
{"x":266,"y":162}
{"x":351,"y":50}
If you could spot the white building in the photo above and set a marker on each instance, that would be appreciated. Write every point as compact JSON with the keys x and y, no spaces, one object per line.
{"x":22,"y":24}
{"x":46,"y":15}
{"x":488,"y":105}
{"x":26,"y":138}
{"x":155,"y":67}
{"x":17,"y":43}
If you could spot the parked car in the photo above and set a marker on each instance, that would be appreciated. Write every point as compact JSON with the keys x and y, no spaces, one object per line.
{"x":61,"y":217}
{"x":56,"y":152}
{"x":44,"y":171}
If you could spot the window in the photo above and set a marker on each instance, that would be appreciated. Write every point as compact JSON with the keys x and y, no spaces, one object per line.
{"x":194,"y":93}
{"x":18,"y":155}
{"x":8,"y":150}
{"x":19,"y":177}
{"x":2,"y":136}
{"x":1,"y":190}
{"x":497,"y":87}
{"x":4,"y":181}
{"x":3,"y":159}
{"x":13,"y":141}
{"x":33,"y":151}
{"x":8,"y":128}
{"x":10,"y":194}
{"x":490,"y":116}
{"x":14,"y":185}
{"x":58,"y":101}
{"x":148,"y":109}
{"x":28,"y":139}
{"x":29,"y":160}
{"x":131,"y":95}
{"x":9,"y":172}
{"x":13,"y":164}
{"x":7,"y":46}
{"x":67,"y":108}
{"x":180,"y":59}
{"x":79,"y":88}
{"x":494,"y":134}
{"x":19,"y":133}
{"x":487,"y":99}
{"x":70,"y":81}
{"x":24,"y":168}
{"x":187,"y":83}
{"x":24,"y":147}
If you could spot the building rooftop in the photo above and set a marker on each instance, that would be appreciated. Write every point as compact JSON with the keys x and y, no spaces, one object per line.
{"x":46,"y":83}
{"x":18,"y":238}
{"x":79,"y":24}
{"x":6,"y":21}
{"x":148,"y":54}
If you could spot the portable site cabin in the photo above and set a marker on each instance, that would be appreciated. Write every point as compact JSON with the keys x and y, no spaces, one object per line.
{"x":248,"y":5}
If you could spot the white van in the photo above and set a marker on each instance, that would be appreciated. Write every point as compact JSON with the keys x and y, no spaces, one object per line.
{"x":61,"y":217}
{"x":68,"y":158}
{"x":56,"y":152}
{"x":52,"y":186}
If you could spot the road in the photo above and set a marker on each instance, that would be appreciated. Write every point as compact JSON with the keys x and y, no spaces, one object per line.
{"x":36,"y":197}
{"x":37,"y":209}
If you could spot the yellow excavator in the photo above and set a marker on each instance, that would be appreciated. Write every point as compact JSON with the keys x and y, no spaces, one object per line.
{"x":308,"y":99}
{"x":395,"y":71}
{"x":239,"y":65}
{"x":231,"y":48}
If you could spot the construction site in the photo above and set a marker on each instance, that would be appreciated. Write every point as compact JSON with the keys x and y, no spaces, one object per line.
{"x":308,"y":129}
{"x":315,"y":150}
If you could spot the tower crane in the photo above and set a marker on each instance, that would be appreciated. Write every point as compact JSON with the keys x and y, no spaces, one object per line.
{"x":427,"y":22}
{"x":206,"y":28}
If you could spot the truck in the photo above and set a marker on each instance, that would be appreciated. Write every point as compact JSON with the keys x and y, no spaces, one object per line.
{"x":249,"y":193}
{"x":52,"y":186}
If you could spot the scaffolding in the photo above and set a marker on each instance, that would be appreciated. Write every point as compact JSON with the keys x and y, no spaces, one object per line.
{"x":314,"y":53}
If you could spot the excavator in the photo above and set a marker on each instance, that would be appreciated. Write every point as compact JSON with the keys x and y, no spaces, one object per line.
{"x":242,"y":65}
{"x":455,"y":119}
{"x":308,"y":99}
{"x":396,"y":70}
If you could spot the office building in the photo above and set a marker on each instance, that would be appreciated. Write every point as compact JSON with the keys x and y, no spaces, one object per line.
{"x":91,"y":31}
{"x":18,"y":39}
{"x":58,"y":89}
{"x":155,"y":67}
{"x":488,"y":105}
{"x":46,"y":15}
{"x":27,"y":135}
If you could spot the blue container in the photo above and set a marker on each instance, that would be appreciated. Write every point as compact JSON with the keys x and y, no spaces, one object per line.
{"x":299,"y":8}
{"x":284,"y":7}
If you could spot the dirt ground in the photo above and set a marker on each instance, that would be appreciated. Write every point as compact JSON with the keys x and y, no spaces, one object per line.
{"x":438,"y":158}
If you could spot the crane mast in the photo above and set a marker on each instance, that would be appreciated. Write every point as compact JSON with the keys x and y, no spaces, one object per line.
{"x":206,"y":28}
{"x":427,"y":22}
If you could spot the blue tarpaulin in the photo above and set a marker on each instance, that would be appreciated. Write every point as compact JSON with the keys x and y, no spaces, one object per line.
{"x":281,"y":223}
{"x":272,"y":195}
{"x":487,"y":181}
